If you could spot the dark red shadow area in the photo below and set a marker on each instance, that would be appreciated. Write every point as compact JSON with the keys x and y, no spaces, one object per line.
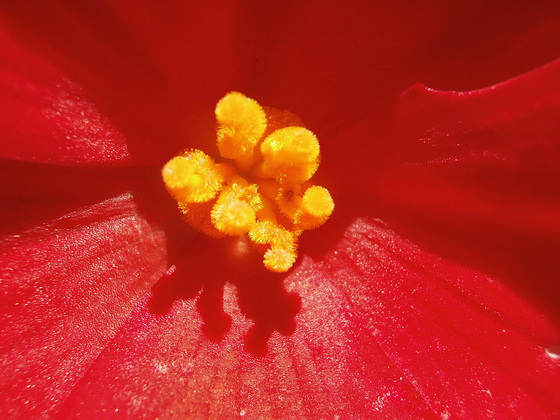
{"x":35,"y":193}
{"x":202,"y":269}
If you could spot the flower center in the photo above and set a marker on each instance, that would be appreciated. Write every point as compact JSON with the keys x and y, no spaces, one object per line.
{"x":260,"y":186}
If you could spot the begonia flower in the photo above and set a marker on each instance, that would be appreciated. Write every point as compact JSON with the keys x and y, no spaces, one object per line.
{"x":431,"y":293}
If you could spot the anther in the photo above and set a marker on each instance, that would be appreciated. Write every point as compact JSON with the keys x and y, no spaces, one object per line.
{"x":235,"y":210}
{"x":317,"y":201}
{"x":275,"y":235}
{"x":241,"y":124}
{"x":282,"y":252}
{"x":316,"y":207}
{"x":279,"y":260}
{"x":232,"y":217}
{"x":192,"y":177}
{"x":290,"y":154}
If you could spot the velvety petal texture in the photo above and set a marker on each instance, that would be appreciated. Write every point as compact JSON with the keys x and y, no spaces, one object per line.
{"x":481,"y":171}
{"x":66,"y":286}
{"x":45,"y":118}
{"x":497,"y":149}
{"x":386,"y":330}
{"x":110,"y":307}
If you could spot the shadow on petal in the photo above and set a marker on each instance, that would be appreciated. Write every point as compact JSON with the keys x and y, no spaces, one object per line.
{"x":203,"y":269}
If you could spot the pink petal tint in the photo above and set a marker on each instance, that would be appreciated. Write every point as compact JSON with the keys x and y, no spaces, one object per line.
{"x":444,"y":307}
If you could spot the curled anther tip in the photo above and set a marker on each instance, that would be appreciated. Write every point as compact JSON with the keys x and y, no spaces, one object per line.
{"x":241,"y":124}
{"x":192,"y":177}
{"x":291,"y":154}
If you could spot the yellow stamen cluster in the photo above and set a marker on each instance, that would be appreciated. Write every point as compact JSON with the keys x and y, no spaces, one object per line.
{"x":260,"y":188}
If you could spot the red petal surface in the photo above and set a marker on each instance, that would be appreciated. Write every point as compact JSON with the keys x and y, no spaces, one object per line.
{"x":91,"y":41}
{"x":45,"y":118}
{"x":480,"y":178}
{"x":386,"y":330}
{"x":66,"y":287}
{"x":157,"y":70}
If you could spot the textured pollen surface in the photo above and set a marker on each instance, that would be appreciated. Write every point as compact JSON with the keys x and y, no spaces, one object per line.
{"x":261,"y":186}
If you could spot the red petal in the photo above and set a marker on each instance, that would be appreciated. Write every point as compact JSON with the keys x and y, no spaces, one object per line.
{"x":66,"y":288}
{"x":45,"y":118}
{"x":480,"y":178}
{"x":386,"y":330}
{"x":334,"y":65}
{"x":158,"y":71}
{"x":103,"y":49}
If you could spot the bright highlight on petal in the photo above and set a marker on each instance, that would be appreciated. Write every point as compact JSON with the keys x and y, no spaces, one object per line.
{"x":260,"y":188}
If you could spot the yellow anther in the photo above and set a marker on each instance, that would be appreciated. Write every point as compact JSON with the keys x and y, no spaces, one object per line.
{"x":192,"y":177}
{"x":257,"y":190}
{"x":241,"y":124}
{"x":235,"y":210}
{"x":233,"y":217}
{"x":290,"y":154}
{"x":282,"y":252}
{"x":316,"y":207}
{"x":242,"y":190}
{"x":260,"y":233}
{"x":273,"y":234}
{"x":279,"y":260}
{"x":317,"y":201}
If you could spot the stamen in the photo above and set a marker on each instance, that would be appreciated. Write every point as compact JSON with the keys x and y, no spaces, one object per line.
{"x":232,"y":217}
{"x":255,"y":190}
{"x":316,"y":207}
{"x":290,"y":154}
{"x":273,"y":234}
{"x":192,"y":177}
{"x":282,"y":252}
{"x":279,"y":260}
{"x":241,"y":124}
{"x":235,"y":210}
